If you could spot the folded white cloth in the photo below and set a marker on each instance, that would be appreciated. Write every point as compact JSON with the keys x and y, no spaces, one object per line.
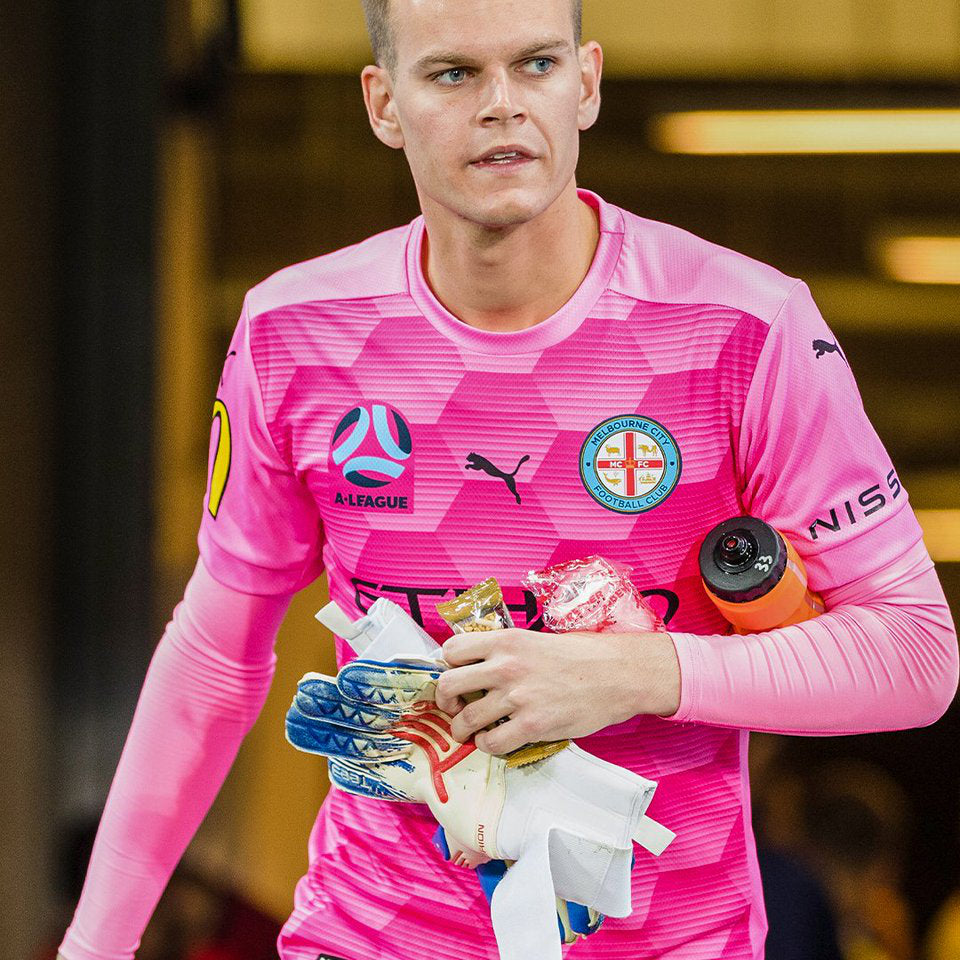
{"x":569,"y":822}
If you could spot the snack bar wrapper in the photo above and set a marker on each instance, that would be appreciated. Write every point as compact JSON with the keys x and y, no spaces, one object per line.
{"x":477,"y":609}
{"x":592,"y":594}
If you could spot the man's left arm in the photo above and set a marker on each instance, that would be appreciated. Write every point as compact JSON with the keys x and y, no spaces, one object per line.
{"x":810,"y":463}
{"x":883,"y":657}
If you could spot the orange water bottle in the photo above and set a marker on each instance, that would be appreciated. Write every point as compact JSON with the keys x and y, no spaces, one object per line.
{"x":755,"y":576}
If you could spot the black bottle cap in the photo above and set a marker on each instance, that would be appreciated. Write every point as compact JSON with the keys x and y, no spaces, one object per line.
{"x":742,"y":559}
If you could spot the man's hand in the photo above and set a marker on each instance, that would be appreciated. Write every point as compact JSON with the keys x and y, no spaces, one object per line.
{"x":554,"y":686}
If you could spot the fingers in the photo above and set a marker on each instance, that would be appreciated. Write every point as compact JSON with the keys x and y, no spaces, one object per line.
{"x":458,"y":683}
{"x":504,"y":737}
{"x":451,"y":705}
{"x":477,"y":715}
{"x":470,"y":647}
{"x":481,"y":688}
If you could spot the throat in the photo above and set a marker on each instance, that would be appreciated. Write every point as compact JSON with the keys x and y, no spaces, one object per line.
{"x":516,"y":284}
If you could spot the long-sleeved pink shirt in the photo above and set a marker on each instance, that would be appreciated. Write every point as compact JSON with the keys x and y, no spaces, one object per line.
{"x":362,"y":429}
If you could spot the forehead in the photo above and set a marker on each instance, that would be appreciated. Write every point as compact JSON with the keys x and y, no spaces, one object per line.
{"x":479,"y":29}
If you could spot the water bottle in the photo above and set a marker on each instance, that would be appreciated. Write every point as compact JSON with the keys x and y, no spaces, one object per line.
{"x":755,"y":576}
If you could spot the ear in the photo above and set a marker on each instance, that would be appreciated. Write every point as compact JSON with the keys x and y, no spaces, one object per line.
{"x":381,"y":108}
{"x":591,"y":67}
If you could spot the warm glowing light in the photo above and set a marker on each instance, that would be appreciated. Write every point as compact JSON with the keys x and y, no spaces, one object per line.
{"x":941,"y":534}
{"x":717,"y":132}
{"x":921,"y":259}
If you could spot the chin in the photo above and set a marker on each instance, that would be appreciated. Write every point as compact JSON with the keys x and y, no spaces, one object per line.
{"x":508,"y":211}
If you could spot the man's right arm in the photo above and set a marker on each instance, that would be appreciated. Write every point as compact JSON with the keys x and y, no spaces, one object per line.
{"x":204,"y":689}
{"x":260,"y":541}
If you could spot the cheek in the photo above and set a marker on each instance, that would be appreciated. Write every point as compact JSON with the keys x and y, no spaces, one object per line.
{"x":434,"y":143}
{"x":560,"y":117}
{"x":565,"y":133}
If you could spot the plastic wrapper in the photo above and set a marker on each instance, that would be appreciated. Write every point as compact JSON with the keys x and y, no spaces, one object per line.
{"x":592,"y":594}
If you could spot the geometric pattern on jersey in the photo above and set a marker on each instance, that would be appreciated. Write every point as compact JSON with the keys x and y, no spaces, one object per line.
{"x":710,"y":345}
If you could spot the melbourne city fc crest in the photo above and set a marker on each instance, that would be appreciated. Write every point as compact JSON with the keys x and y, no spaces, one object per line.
{"x":371,"y":462}
{"x":630,"y":463}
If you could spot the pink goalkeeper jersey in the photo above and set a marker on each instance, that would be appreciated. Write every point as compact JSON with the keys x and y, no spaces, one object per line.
{"x":364,"y":430}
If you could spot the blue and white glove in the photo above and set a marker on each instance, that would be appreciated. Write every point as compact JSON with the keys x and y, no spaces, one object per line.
{"x":379,"y":726}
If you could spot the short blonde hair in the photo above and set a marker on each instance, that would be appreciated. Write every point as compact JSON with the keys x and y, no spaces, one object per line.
{"x":379,"y":17}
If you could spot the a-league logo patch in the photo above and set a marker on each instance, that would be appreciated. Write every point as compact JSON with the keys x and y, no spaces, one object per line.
{"x":372,"y":449}
{"x":630,"y":464}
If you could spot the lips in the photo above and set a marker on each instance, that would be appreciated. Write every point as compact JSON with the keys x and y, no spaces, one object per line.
{"x":505,"y":154}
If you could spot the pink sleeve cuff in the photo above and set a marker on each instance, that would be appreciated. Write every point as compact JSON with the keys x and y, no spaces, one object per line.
{"x":687,"y":646}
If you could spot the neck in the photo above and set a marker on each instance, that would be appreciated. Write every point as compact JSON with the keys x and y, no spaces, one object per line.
{"x":515,"y":277}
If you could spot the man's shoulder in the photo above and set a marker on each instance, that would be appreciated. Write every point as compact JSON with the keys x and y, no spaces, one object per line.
{"x":663,"y":263}
{"x":370,"y":269}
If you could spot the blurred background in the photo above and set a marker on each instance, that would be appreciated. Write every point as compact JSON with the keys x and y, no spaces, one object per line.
{"x":159,"y":158}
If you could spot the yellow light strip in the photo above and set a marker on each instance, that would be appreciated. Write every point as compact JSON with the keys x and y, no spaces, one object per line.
{"x":921,"y":259}
{"x":941,"y":534}
{"x":726,"y":132}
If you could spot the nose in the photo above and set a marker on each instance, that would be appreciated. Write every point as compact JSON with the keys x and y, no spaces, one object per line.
{"x":501,"y":100}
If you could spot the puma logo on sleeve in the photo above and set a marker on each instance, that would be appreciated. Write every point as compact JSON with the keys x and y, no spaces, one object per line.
{"x":824,"y":346}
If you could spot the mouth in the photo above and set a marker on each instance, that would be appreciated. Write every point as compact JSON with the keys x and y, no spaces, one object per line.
{"x":508,"y":156}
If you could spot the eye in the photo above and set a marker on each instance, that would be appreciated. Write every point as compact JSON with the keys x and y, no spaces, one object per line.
{"x":454,"y":77}
{"x":542,"y":65}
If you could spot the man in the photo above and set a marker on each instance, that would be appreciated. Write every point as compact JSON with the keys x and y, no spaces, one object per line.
{"x":522,"y":375}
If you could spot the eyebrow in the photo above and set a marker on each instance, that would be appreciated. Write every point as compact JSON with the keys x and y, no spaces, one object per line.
{"x":435,"y":58}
